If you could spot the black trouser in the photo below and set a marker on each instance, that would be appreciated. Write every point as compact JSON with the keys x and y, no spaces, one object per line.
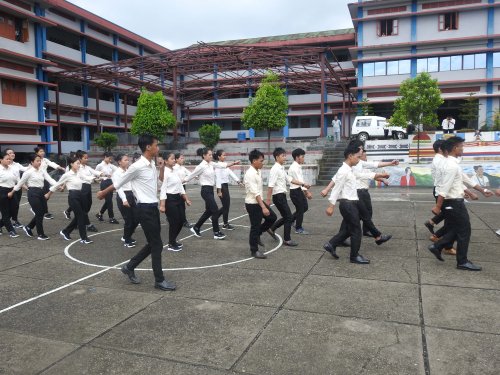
{"x":257,"y":227}
{"x":75,"y":199}
{"x":437,"y":218}
{"x":7,"y":206}
{"x":18,"y":194}
{"x":86,"y":200}
{"x":299,"y":200}
{"x":286,"y":218}
{"x":211,"y":209}
{"x":46,"y":187}
{"x":149,"y":218}
{"x":226,"y":202}
{"x":352,"y":228}
{"x":176,"y":216}
{"x":458,"y":228}
{"x":108,"y":200}
{"x":366,"y":213}
{"x":38,"y":204}
{"x":129,"y":215}
{"x":186,"y":221}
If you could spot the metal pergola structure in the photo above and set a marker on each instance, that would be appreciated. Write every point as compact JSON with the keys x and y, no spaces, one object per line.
{"x":201,"y":73}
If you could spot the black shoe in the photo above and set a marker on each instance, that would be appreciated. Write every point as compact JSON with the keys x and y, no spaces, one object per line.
{"x":129,"y":244}
{"x":437,"y":253}
{"x":367,"y":234}
{"x":165,"y":285}
{"x":67,"y":215}
{"x":43,"y":237}
{"x":28,"y":231}
{"x":174,"y":247}
{"x":291,"y":243}
{"x":383,"y":238}
{"x":65,"y":235}
{"x":16,"y":224}
{"x":429,"y":226}
{"x":328,"y":247}
{"x":469,"y":266}
{"x":99,"y":217}
{"x":188,"y":225}
{"x":113,"y":221}
{"x":228,"y":227}
{"x":219,"y":235}
{"x":48,"y":216}
{"x":272,"y":234}
{"x":13,"y":234}
{"x":259,"y":255}
{"x":196,"y":231}
{"x":86,"y":241}
{"x":131,"y":275}
{"x":360,"y":259}
{"x":92,"y":228}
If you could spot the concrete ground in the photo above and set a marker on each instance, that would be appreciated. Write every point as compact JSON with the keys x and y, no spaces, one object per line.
{"x":298,"y":312}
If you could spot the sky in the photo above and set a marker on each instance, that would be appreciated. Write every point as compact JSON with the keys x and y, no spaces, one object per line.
{"x":179,"y":23}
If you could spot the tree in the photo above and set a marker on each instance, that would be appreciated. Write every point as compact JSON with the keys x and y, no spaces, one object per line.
{"x":152,"y":116}
{"x":469,"y":111}
{"x":106,"y":140}
{"x":267,"y":111}
{"x":365,"y":108}
{"x":420,"y":97}
{"x":210,"y":135}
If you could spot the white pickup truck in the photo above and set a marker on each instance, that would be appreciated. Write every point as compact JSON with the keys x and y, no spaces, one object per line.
{"x":366,"y":127}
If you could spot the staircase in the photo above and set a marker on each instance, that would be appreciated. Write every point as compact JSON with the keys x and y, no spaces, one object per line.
{"x":333,"y":157}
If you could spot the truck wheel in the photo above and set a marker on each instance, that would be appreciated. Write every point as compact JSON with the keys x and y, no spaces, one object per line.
{"x":363,"y":137}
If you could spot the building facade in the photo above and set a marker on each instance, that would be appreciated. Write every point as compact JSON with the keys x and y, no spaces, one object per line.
{"x":456,"y":41}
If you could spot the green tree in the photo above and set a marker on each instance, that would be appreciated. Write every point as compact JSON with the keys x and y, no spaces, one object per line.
{"x":106,"y":140}
{"x":209,"y":135}
{"x":152,"y":116}
{"x":469,"y":111}
{"x":420,"y":97}
{"x":267,"y":111}
{"x":365,"y":108}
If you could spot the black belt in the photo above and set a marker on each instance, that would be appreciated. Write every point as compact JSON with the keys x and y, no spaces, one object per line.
{"x":147,"y":205}
{"x":362,"y":189}
{"x":346,"y":200}
{"x":454,"y":200}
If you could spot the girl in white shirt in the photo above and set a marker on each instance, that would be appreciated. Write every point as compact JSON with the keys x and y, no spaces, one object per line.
{"x":35,"y":179}
{"x":107,"y":168}
{"x":8,"y":180}
{"x":45,"y":164}
{"x":18,"y":168}
{"x":172,"y":198}
{"x":222,"y":177}
{"x":74,"y":184}
{"x":182,"y":172}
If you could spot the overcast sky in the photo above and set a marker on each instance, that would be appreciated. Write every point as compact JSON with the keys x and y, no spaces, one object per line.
{"x":179,"y":23}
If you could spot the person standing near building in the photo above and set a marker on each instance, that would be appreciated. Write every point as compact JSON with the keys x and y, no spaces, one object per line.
{"x":255,"y":205}
{"x":222,"y":177}
{"x":18,"y":170}
{"x":479,"y":178}
{"x":278,"y":179}
{"x":182,"y":172}
{"x":206,"y":172}
{"x":46,"y":163}
{"x":125,"y":201}
{"x":451,"y":196}
{"x":448,"y":125}
{"x":143,"y":178}
{"x":34,"y":179}
{"x":107,"y":168}
{"x":8,"y":179}
{"x":298,"y":193}
{"x":337,"y":126}
{"x":172,"y":198}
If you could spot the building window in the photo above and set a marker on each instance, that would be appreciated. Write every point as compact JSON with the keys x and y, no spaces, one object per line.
{"x":448,"y":21}
{"x":392,"y":67}
{"x":444,"y":64}
{"x":421,"y":65}
{"x":13,"y":28}
{"x":456,"y":63}
{"x":496,"y":60}
{"x":368,"y":70}
{"x":404,"y":66}
{"x":468,"y":61}
{"x":380,"y":68}
{"x":387,"y":27}
{"x":480,"y":60}
{"x":433,"y":64}
{"x":13,"y":93}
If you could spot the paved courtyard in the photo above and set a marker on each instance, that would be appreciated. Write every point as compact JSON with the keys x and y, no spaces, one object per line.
{"x":298,"y":312}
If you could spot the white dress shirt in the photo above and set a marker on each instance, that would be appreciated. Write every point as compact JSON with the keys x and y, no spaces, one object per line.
{"x":8,"y":177}
{"x":117,"y":176}
{"x":172,"y":184}
{"x":362,"y":173}
{"x":72,"y":180}
{"x":222,"y":176}
{"x":295,"y":172}
{"x":448,"y":124}
{"x":181,"y":171}
{"x":143,"y":179}
{"x":437,"y":168}
{"x":278,"y":179}
{"x":253,"y":185}
{"x":452,"y":180}
{"x":206,"y":172}
{"x":47,"y":163}
{"x":87,"y":174}
{"x":106,"y":168}
{"x":17,"y":168}
{"x":345,"y":184}
{"x":34,"y":178}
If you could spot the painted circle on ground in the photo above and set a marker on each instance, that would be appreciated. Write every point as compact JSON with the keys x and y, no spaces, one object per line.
{"x":68,"y":255}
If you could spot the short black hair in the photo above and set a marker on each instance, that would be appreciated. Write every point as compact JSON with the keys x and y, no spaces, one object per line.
{"x":31,"y":157}
{"x":297,"y":152}
{"x":351,"y":149}
{"x":177,"y":155}
{"x":146,"y":140}
{"x":451,"y":142}
{"x":476,"y":167}
{"x":108,"y":154}
{"x":217,"y":154}
{"x":80,"y":154}
{"x":278,"y":151}
{"x":254,"y":155}
{"x":203,"y":151}
{"x":437,"y":145}
{"x":71,"y":159}
{"x":357,"y":144}
{"x":38,"y":149}
{"x":120,"y":156}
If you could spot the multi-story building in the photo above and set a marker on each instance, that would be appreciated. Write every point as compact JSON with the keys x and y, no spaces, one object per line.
{"x":39,"y":38}
{"x":456,"y":41}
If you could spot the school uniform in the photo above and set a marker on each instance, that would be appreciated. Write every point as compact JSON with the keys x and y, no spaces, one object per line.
{"x":363,"y":177}
{"x":278,"y":180}
{"x":437,"y":165}
{"x":129,"y":214}
{"x":107,"y":169}
{"x":18,"y":170}
{"x":222,"y":178}
{"x":45,"y":164}
{"x":172,"y":192}
{"x":8,"y":179}
{"x":297,"y":196}
{"x":183,"y":172}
